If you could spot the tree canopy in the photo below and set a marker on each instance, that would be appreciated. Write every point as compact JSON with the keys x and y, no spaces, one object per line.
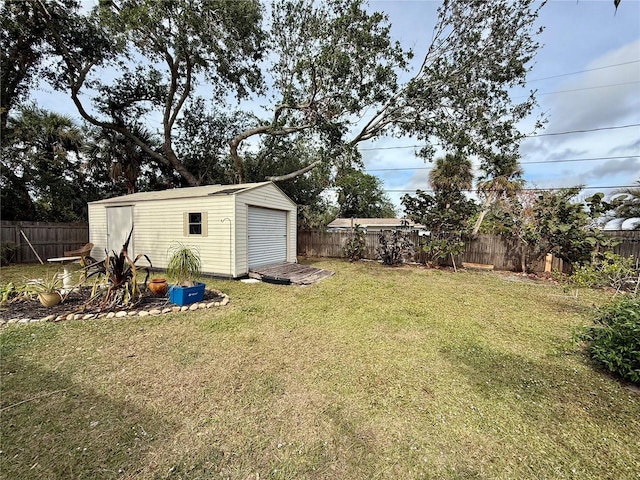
{"x":328,"y":72}
{"x":360,"y":195}
{"x":41,"y":174}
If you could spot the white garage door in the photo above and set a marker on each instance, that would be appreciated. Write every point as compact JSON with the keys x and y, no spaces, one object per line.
{"x":267,"y":237}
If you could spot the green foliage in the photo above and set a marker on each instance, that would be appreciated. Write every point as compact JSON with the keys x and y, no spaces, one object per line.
{"x":563,"y":226}
{"x":361,"y":195}
{"x":442,"y":246}
{"x":451,"y":172}
{"x":49,"y":283}
{"x":329,"y":64}
{"x":185,"y":266}
{"x":9,"y":291}
{"x":614,"y":341}
{"x":448,"y":212}
{"x":356,"y":247}
{"x":608,"y":270}
{"x":43,"y":176}
{"x":121,"y":286}
{"x":394,"y":247}
{"x":22,"y":38}
{"x":445,"y":211}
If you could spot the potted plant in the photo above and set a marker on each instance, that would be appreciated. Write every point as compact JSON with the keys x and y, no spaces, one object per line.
{"x":48,"y":289}
{"x":185,"y":268}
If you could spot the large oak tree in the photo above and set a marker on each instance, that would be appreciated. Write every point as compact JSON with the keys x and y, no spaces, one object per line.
{"x":331,"y":74}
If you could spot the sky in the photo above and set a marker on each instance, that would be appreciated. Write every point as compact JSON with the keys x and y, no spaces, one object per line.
{"x":587,"y":75}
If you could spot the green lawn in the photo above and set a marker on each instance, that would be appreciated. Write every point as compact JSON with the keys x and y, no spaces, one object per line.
{"x":394,"y":373}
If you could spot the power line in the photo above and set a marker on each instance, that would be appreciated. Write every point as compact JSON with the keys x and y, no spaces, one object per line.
{"x":583,"y":131}
{"x":588,"y":88}
{"x":592,"y":159}
{"x":525,"y":136}
{"x":584,"y":71}
{"x":472,"y":190}
{"x":580,"y":159}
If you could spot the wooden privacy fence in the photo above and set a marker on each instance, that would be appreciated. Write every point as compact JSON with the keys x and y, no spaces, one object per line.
{"x":49,"y":240}
{"x":502,"y":253}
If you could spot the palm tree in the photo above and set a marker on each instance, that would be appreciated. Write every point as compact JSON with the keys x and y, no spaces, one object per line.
{"x":45,"y":148}
{"x":120,"y":155}
{"x":451,"y":172}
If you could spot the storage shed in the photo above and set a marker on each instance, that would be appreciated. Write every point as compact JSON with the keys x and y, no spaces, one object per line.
{"x":235,"y":228}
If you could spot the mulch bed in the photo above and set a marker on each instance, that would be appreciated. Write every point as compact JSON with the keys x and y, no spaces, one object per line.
{"x":74,"y":302}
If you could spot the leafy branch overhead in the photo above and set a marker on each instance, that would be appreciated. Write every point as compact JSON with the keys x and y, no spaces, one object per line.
{"x":328,"y":74}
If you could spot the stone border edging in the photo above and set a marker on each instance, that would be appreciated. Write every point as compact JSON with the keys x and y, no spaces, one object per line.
{"x":125,"y":313}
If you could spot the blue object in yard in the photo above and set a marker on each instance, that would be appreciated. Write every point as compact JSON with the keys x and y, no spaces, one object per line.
{"x":186,"y":295}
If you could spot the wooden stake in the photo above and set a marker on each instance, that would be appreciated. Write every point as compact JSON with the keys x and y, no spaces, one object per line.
{"x":32,"y":249}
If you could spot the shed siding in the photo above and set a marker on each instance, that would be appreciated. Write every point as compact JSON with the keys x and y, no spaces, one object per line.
{"x":159,"y":224}
{"x":98,"y":230}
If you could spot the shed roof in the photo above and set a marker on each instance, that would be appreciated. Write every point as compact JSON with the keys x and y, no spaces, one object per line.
{"x":373,"y":222}
{"x":185,"y":192}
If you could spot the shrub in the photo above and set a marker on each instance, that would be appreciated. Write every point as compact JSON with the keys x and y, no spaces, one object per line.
{"x":356,"y":246}
{"x":614,"y":340}
{"x":610,"y":270}
{"x":439,"y":247}
{"x":394,"y":247}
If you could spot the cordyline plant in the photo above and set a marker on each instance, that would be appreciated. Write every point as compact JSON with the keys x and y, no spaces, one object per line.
{"x":120,"y":287}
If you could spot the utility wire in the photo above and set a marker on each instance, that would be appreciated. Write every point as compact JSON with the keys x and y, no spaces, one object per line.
{"x":521,"y":163}
{"x":522,"y":189}
{"x":588,"y":88}
{"x":583,"y":131}
{"x":525,"y":136}
{"x":584,"y":71}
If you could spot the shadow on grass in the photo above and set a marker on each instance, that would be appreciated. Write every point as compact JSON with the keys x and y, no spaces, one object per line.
{"x":52,"y":427}
{"x":546,"y":390}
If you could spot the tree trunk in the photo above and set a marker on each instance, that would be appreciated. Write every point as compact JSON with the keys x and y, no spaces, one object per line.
{"x":485,"y":210}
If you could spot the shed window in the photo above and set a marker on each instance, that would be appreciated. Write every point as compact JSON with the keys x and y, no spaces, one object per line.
{"x":195,"y":223}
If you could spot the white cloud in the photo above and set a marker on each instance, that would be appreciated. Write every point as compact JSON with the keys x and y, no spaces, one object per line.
{"x":583,"y":106}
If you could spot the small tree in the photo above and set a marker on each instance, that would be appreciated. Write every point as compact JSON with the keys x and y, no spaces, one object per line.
{"x":446,"y":214}
{"x":565,"y":228}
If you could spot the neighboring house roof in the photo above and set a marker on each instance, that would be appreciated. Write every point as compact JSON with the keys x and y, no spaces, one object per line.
{"x":185,"y":192}
{"x":374,"y":222}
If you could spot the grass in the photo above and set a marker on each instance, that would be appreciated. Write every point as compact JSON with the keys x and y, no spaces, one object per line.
{"x":388,"y":373}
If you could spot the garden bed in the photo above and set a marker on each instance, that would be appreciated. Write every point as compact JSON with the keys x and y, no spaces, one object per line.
{"x":75,"y":303}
